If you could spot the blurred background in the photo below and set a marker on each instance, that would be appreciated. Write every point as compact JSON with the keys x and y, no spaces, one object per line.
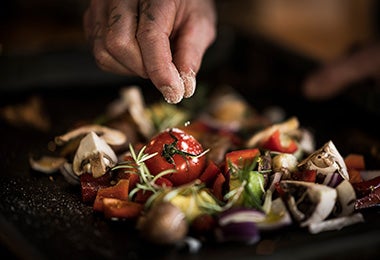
{"x":42,"y":42}
{"x":264,"y":49}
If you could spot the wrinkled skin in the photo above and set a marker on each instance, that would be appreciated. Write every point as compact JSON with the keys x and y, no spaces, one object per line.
{"x":163,"y":40}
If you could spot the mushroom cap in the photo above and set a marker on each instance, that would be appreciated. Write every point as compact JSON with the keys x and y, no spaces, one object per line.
{"x":326,"y":160}
{"x":93,"y":155}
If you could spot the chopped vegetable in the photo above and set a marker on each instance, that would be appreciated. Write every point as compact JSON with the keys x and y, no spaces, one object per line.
{"x":233,"y":191}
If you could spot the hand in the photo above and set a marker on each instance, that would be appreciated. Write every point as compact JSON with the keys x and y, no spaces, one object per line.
{"x":335,"y":77}
{"x":163,"y":40}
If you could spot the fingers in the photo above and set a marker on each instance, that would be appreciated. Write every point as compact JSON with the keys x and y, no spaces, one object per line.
{"x":110,"y":27}
{"x":334,"y":78}
{"x":197,"y":35}
{"x":137,"y":37}
{"x":154,"y":29}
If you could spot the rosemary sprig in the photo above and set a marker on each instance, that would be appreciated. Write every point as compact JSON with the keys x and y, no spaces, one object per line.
{"x":147,"y":180}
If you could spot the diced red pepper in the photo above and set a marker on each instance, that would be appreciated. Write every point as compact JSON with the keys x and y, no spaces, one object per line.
{"x":307,"y":175}
{"x":122,"y":209}
{"x":355,"y":163}
{"x":218,"y":187}
{"x":280,"y":143}
{"x":142,"y":196}
{"x":210,"y":173}
{"x":91,"y":185}
{"x":119,"y":191}
{"x":241,"y":158}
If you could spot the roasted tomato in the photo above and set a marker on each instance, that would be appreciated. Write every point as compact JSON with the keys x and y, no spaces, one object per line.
{"x":176,"y":150}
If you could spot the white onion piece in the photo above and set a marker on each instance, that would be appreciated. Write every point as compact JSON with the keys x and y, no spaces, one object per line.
{"x":278,"y":216}
{"x":276,"y":177}
{"x":241,"y":215}
{"x":335,"y":223}
{"x":346,"y":199}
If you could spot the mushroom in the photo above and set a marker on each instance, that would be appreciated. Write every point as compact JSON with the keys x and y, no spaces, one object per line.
{"x":46,"y":164}
{"x":93,"y":156}
{"x":164,"y":223}
{"x":111,"y":136}
{"x":308,"y":202}
{"x":326,"y":160}
{"x":132,"y":103}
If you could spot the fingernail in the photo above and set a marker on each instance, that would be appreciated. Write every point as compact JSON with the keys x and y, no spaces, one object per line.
{"x":171,"y":95}
{"x":189,"y":83}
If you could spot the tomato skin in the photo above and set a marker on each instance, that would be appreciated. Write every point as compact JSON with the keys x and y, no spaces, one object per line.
{"x":188,"y":168}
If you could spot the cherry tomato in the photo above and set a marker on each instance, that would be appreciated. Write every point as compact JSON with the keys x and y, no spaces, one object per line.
{"x":176,"y":150}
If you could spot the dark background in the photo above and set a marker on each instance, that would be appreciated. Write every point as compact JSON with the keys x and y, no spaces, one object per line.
{"x":44,"y":54}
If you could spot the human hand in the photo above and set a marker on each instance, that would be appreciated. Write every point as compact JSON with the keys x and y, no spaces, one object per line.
{"x":332,"y":79}
{"x":163,"y":40}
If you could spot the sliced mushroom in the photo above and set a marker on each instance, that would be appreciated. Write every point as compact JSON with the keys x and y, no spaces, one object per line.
{"x":326,"y":161}
{"x":131,"y":105}
{"x":335,"y":223}
{"x":308,"y":202}
{"x":134,"y":101}
{"x":93,"y":156}
{"x":47,"y":164}
{"x":111,"y":136}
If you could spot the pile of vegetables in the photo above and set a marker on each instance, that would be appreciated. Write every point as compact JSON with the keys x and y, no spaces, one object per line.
{"x":224,"y":174}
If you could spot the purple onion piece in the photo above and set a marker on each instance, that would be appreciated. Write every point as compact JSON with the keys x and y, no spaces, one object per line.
{"x":244,"y":232}
{"x":239,"y":225}
{"x":69,"y":175}
{"x":335,"y":180}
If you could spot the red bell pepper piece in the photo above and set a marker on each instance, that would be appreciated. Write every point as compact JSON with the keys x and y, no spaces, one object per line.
{"x":124,"y":209}
{"x":218,"y":187}
{"x":280,"y":143}
{"x":90,"y":185}
{"x":210,"y":173}
{"x":241,"y":158}
{"x":119,"y":191}
{"x":307,"y":175}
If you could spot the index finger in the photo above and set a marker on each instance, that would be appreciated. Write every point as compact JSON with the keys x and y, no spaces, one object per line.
{"x":154,"y":29}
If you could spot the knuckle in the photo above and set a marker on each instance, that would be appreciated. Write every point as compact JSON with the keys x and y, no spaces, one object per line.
{"x":101,"y":58}
{"x":121,"y":46}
